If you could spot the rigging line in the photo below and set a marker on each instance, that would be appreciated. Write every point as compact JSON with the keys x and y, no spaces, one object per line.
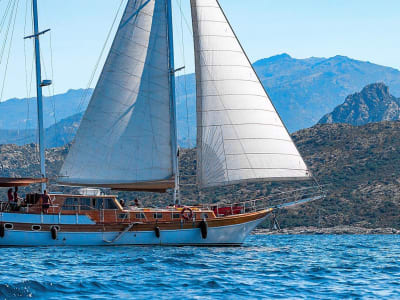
{"x":3,"y":19}
{"x":6,"y":34}
{"x":9,"y":50}
{"x":185,"y":79}
{"x":186,"y":21}
{"x":26,"y":72}
{"x":52,"y":88}
{"x":85,"y":93}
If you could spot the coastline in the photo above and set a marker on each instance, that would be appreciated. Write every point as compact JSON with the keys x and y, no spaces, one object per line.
{"x":303,"y":230}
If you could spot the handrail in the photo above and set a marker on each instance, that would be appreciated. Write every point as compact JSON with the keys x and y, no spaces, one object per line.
{"x":274,"y":200}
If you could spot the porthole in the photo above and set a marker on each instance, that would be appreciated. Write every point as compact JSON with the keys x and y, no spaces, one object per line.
{"x":36,"y":227}
{"x":54,"y":226}
{"x":9,"y":226}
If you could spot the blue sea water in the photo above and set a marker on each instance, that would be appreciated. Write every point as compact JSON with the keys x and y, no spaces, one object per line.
{"x":309,"y":267}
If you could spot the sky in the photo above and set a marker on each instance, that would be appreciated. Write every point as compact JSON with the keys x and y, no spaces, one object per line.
{"x":361,"y":29}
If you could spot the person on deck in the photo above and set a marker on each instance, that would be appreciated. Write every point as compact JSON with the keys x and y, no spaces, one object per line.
{"x":122,"y":202}
{"x":45,"y":202}
{"x":136,"y":203}
{"x":16,"y":198}
{"x":10,"y":196}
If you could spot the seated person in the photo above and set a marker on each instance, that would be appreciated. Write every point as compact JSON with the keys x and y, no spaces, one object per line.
{"x":17,"y":199}
{"x":45,"y":202}
{"x":10,"y":196}
{"x":122,"y":202}
{"x":136,"y":203}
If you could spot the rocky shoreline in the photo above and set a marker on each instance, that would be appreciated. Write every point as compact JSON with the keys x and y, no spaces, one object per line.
{"x":330,"y":230}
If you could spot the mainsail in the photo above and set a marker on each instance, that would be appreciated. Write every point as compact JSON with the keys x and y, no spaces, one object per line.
{"x":240,"y":136}
{"x":126,"y":137}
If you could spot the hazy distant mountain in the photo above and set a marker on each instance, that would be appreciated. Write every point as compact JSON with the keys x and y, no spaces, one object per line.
{"x":56,"y":135}
{"x":373,"y":104}
{"x":21,"y":113}
{"x":303,"y":91}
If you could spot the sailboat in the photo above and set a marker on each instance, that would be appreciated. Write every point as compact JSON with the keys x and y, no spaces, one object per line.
{"x":127,"y":141}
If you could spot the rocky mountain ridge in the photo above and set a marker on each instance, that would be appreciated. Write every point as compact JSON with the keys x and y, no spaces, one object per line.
{"x":373,"y":104}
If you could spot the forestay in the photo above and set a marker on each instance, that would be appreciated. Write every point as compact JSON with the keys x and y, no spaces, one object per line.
{"x":124,"y":140}
{"x":240,"y":136}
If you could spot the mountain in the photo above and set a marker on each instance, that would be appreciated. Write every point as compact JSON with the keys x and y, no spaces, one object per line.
{"x":303,"y":91}
{"x":21,"y":114}
{"x":56,"y":135}
{"x":359,"y":167}
{"x":373,"y":104}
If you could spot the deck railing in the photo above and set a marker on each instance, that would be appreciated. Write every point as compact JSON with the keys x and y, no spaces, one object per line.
{"x":275,"y":200}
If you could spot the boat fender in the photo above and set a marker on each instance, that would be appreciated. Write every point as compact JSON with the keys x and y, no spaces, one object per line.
{"x":53,"y":233}
{"x":2,"y":230}
{"x":204,"y":229}
{"x":157,"y":232}
{"x":187,"y":216}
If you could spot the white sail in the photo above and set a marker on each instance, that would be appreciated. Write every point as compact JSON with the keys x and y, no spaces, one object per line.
{"x":240,"y":136}
{"x":125,"y":139}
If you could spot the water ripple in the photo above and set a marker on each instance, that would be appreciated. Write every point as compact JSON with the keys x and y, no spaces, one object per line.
{"x":301,"y":267}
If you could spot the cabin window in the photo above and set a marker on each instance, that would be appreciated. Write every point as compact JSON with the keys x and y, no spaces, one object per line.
{"x":140,"y":216}
{"x":123,"y":216}
{"x":85,"y":204}
{"x":204,"y":216}
{"x":70,"y":204}
{"x":104,"y":203}
{"x":98,"y":203}
{"x":176,"y":215}
{"x":157,"y":215}
{"x":110,"y":204}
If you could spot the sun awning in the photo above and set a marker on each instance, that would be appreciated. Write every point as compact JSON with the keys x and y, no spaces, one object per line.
{"x":12,"y":182}
{"x":160,"y":186}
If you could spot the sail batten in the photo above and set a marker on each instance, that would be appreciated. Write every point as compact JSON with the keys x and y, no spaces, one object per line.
{"x":124,"y":140}
{"x":240,"y":136}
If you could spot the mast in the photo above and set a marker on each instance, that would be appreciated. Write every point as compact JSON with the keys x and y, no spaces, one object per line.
{"x":36,"y":35}
{"x":175,"y":152}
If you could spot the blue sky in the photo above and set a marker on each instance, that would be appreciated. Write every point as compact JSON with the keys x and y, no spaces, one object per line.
{"x":362,"y":29}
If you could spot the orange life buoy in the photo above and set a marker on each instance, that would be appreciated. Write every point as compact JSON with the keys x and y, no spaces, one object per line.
{"x":187,"y":213}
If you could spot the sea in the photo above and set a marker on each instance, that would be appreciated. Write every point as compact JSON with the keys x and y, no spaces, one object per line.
{"x":265,"y":267}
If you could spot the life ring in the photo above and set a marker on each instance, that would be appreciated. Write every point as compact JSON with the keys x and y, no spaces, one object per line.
{"x":54,"y":232}
{"x":2,"y":230}
{"x":157,"y":232}
{"x":204,"y":229}
{"x":187,"y":213}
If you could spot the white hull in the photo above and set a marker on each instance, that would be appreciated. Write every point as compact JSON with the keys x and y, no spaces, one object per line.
{"x":232,"y":235}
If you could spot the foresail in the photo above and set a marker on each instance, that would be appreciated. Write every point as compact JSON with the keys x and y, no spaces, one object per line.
{"x":240,"y":136}
{"x":124,"y":140}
